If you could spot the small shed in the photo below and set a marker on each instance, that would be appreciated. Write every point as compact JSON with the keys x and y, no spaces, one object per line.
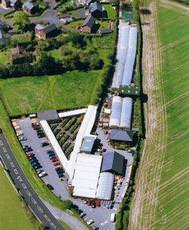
{"x":113,"y":162}
{"x":88,"y":144}
{"x":48,"y":115}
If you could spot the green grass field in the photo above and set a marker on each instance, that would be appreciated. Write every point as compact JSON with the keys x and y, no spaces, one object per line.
{"x":173,"y":207}
{"x":32,"y":94}
{"x":12,"y":210}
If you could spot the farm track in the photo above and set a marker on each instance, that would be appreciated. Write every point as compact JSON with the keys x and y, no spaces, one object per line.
{"x":145,"y":202}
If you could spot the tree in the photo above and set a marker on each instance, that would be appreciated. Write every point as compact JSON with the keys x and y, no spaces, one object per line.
{"x":21,"y":21}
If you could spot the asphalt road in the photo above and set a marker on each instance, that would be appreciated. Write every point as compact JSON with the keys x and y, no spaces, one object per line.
{"x":25,"y":189}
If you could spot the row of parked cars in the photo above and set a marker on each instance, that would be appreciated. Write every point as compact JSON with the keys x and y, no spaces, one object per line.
{"x":56,"y":163}
{"x":31,"y":156}
{"x":51,"y":154}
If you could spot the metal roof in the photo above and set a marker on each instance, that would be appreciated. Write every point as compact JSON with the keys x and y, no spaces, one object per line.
{"x":86,"y":175}
{"x":121,"y":135}
{"x":48,"y":115}
{"x":95,"y":6}
{"x":105,"y":186}
{"x":113,"y":162}
{"x":89,"y":21}
{"x":30,"y":5}
{"x":87,"y":144}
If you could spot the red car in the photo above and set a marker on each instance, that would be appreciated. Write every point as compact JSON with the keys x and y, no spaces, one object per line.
{"x":54,"y":159}
{"x":29,"y":154}
{"x":56,"y":163}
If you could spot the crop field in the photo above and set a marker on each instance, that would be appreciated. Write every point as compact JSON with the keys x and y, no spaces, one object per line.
{"x":32,"y":94}
{"x":161,"y":199}
{"x":174,"y":185}
{"x":12,"y":213}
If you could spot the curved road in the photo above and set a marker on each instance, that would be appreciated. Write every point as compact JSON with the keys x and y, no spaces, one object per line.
{"x":29,"y":195}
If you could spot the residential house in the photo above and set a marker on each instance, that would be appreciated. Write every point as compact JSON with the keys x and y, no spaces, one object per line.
{"x":44,"y":32}
{"x":96,"y":10}
{"x":88,"y":25}
{"x":5,"y":3}
{"x":30,"y":7}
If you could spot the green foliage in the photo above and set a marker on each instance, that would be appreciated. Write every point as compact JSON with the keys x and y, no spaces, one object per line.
{"x":21,"y":21}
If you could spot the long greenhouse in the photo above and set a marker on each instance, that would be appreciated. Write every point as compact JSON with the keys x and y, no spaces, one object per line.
{"x":121,"y":114}
{"x":126,"y":54}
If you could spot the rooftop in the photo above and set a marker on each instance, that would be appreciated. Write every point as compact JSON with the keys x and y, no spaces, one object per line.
{"x":87,"y":144}
{"x":48,"y":115}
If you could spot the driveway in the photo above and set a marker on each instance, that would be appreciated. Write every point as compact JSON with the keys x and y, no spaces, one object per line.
{"x":49,"y":16}
{"x":72,"y":221}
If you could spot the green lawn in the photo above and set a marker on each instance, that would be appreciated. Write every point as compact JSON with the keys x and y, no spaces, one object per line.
{"x":173,"y":204}
{"x":110,"y":10}
{"x":13,"y":214}
{"x":32,"y":94}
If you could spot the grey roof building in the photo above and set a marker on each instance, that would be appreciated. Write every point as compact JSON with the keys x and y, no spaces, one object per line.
{"x":95,"y":8}
{"x":48,"y":115}
{"x":89,"y":24}
{"x":87,"y":145}
{"x":113,"y":162}
{"x":121,"y":135}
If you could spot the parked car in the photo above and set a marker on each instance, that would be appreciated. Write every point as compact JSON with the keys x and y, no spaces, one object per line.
{"x":82,"y":214}
{"x":50,"y":187}
{"x":56,"y":163}
{"x":44,"y":144}
{"x":43,"y":174}
{"x":38,"y":166}
{"x":50,"y":151}
{"x":89,"y":222}
{"x":55,"y":159}
{"x":52,"y":156}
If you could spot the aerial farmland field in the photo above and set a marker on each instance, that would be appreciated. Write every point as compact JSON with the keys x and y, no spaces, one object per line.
{"x":161,"y":200}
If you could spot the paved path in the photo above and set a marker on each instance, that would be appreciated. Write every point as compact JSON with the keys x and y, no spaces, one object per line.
{"x":22,"y":185}
{"x":72,"y":221}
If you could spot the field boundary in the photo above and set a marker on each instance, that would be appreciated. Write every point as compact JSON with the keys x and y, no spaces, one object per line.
{"x":145,"y":202}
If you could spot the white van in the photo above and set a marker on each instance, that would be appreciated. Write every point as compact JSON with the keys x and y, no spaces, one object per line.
{"x":112,"y":217}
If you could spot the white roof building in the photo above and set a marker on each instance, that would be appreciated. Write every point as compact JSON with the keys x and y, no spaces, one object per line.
{"x":86,"y":175}
{"x":105,"y":186}
{"x":121,"y":114}
{"x":126,"y":53}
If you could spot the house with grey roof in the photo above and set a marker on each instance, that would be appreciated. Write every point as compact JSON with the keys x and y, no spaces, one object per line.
{"x":88,"y":25}
{"x":45,"y":31}
{"x":30,"y":7}
{"x":96,"y":10}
